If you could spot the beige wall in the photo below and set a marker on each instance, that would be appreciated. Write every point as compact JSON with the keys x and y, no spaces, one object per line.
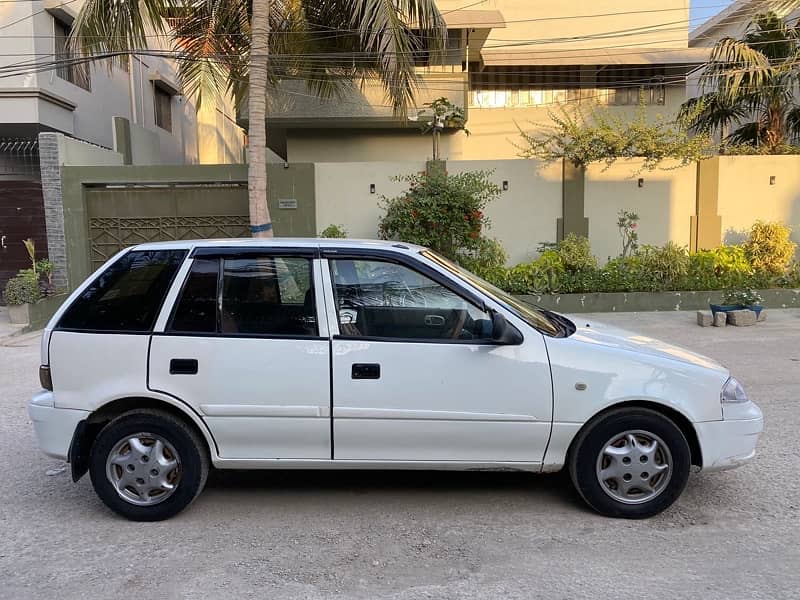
{"x":343,"y":196}
{"x":665,"y":204}
{"x":522,"y":217}
{"x":653,"y":23}
{"x":745,"y":194}
{"x":525,"y":215}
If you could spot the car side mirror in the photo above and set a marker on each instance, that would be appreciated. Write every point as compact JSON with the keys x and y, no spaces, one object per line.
{"x":503,"y":332}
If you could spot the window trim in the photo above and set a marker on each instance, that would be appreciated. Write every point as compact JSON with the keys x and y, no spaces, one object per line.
{"x":234,"y":254}
{"x":419,"y":268}
{"x":100,"y":273}
{"x":162,"y":89}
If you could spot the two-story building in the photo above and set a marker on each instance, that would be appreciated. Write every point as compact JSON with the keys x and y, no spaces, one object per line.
{"x":508,"y":63}
{"x":133,"y":106}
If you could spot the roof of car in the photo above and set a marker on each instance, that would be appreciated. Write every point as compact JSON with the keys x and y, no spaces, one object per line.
{"x":283,"y":242}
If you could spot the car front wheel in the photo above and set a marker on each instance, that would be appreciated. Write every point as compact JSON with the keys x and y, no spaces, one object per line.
{"x":631,"y":463}
{"x":146,"y":465}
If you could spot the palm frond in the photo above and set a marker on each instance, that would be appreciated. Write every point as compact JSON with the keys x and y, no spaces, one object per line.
{"x":793,"y":125}
{"x":119,"y":25}
{"x":749,"y":134}
{"x":385,"y":29}
{"x":211,"y":38}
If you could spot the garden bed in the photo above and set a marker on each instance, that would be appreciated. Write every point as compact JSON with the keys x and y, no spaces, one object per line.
{"x":652,"y":301}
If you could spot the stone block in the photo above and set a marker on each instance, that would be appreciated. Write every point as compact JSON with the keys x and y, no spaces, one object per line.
{"x":762,"y":316}
{"x":742,"y":318}
{"x":720,"y":319}
{"x":704,"y":318}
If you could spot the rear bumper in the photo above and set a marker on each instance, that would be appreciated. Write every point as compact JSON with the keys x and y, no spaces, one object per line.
{"x":54,"y":427}
{"x":730,"y":443}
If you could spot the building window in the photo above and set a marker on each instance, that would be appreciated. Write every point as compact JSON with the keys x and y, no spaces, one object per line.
{"x":163,"y":108}
{"x":529,"y":87}
{"x":67,"y":68}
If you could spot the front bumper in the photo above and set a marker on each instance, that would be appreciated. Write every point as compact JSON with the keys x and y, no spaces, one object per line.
{"x":730,"y":443}
{"x":54,"y":426}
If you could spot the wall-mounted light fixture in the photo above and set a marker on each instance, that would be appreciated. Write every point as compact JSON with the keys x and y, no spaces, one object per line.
{"x":505,"y":186}
{"x":286,"y":164}
{"x":640,"y":183}
{"x":772,"y":179}
{"x":371,"y":188}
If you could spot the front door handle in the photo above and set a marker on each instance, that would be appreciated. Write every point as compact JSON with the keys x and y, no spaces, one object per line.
{"x":366,"y":371}
{"x":183,"y":366}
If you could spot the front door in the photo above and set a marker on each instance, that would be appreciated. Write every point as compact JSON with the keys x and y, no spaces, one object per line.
{"x":416,"y":376}
{"x":243,"y":347}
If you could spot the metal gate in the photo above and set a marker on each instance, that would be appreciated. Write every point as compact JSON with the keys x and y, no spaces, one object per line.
{"x":125,"y":215}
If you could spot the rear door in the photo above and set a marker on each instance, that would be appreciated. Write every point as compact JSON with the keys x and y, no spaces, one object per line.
{"x":245,"y":348}
{"x":416,"y":376}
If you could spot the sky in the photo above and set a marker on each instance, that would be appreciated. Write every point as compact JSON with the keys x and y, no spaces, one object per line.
{"x":700,"y":10}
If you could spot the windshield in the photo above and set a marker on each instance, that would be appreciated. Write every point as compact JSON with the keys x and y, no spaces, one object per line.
{"x":535,"y":317}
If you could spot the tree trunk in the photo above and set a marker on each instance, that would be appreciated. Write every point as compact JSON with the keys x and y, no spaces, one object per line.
{"x":260,"y":222}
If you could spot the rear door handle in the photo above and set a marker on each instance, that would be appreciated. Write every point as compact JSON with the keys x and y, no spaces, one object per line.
{"x":366,"y":371}
{"x":183,"y":366}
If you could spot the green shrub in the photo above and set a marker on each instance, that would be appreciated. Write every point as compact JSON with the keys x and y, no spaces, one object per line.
{"x":720,"y":268}
{"x":443,"y":212}
{"x":487,"y":260}
{"x":333,"y":231}
{"x":22,"y":289}
{"x":769,"y":248}
{"x":576,"y":253}
{"x":663,"y":267}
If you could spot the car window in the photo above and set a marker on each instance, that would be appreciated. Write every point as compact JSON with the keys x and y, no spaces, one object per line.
{"x":268,"y":295}
{"x":382,"y":299}
{"x":196,"y":310}
{"x":127,"y":296}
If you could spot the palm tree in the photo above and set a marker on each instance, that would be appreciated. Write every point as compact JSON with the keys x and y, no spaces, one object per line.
{"x":243,"y":47}
{"x":750,"y":85}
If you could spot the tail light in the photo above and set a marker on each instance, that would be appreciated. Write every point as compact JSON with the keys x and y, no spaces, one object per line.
{"x":44,"y":377}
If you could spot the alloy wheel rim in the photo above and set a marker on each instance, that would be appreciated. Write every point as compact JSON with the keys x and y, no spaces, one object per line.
{"x":144,"y":468}
{"x":634,"y":466}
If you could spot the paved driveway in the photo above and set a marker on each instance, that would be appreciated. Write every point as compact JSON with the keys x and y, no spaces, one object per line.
{"x":733,"y":535}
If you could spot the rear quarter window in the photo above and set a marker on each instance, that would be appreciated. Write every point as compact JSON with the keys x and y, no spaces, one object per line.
{"x":127,"y":296}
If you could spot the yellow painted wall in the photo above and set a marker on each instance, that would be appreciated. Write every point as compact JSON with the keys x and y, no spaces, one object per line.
{"x":745,"y":194}
{"x":220,"y":140}
{"x":665,"y":204}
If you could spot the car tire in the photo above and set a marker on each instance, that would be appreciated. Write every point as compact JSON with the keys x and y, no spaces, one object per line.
{"x":630,"y":463}
{"x":147,"y":465}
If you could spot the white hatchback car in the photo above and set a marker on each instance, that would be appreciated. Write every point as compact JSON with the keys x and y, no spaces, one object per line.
{"x":338,"y":354}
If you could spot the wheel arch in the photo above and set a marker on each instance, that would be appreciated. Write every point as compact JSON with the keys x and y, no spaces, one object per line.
{"x":681,"y":421}
{"x":87,"y":430}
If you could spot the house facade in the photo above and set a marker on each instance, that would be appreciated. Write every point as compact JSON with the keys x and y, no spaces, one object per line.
{"x":81,"y":100}
{"x":509,"y":63}
{"x":126,"y":112}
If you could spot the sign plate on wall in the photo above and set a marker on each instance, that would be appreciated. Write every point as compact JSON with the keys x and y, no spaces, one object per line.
{"x":287,"y":203}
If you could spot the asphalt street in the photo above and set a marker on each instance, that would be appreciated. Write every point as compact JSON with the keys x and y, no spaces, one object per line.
{"x":281,"y":535}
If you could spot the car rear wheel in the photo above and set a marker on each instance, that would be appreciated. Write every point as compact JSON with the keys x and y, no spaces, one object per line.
{"x":631,"y":463}
{"x":146,"y":465}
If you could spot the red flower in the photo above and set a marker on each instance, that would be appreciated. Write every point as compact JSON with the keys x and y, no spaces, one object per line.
{"x":473,"y":234}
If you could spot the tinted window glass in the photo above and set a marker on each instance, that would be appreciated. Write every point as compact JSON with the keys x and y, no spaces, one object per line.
{"x":127,"y":295}
{"x":268,"y":295}
{"x":388,"y":300}
{"x":196,"y":311}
